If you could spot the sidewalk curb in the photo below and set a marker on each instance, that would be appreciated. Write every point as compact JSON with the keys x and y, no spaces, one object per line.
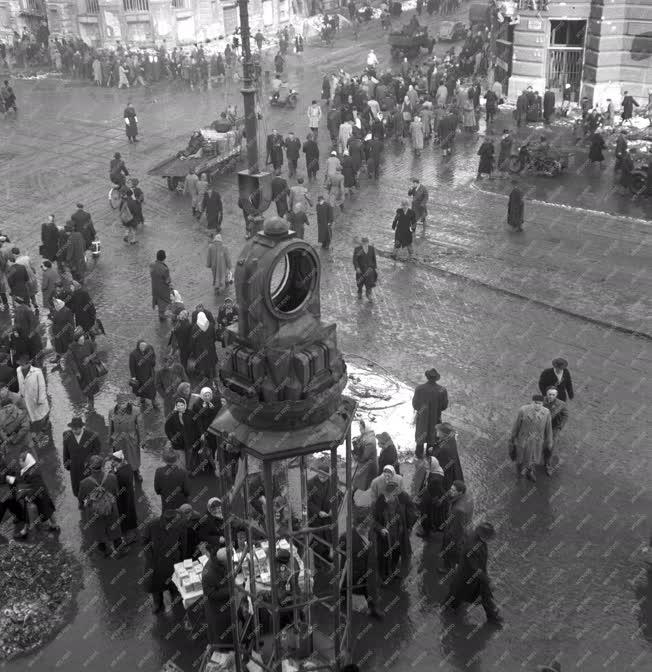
{"x":635,"y":220}
{"x":517,"y":295}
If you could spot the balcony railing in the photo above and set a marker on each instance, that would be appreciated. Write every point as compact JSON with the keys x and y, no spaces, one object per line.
{"x":534,"y":5}
{"x":92,"y":6}
{"x":136,"y":5}
{"x":181,"y":4}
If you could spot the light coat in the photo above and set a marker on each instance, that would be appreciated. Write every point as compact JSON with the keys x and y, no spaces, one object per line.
{"x":33,"y":390}
{"x":219,"y":261}
{"x":531,"y":434}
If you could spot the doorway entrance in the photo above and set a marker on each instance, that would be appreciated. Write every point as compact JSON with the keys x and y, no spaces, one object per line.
{"x":566,"y":56}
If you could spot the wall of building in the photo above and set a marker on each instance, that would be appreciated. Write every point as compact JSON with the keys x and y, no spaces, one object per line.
{"x":618,"y":47}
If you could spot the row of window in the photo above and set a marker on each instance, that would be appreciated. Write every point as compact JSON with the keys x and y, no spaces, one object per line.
{"x":93,"y":6}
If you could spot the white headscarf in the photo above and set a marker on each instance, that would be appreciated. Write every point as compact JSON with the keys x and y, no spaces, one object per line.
{"x":202,"y":321}
{"x":29,"y":463}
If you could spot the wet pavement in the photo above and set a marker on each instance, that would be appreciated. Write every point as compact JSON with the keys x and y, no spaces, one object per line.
{"x":480,"y":306}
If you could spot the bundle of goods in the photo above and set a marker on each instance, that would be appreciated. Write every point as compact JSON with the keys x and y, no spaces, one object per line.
{"x":187,"y":575}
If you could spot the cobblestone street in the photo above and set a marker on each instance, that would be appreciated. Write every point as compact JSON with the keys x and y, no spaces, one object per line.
{"x":488,"y":308}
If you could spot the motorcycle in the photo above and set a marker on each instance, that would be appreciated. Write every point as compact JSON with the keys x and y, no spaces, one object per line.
{"x":290,"y":101}
{"x":551,"y":163}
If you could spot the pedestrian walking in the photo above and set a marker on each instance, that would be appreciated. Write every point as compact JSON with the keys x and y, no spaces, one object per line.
{"x":275,"y":149}
{"x":364,"y":566}
{"x":131,"y":123}
{"x":628,"y":105}
{"x":161,"y":284}
{"x":446,"y":131}
{"x":49,"y":239}
{"x":366,"y":269}
{"x":168,"y":377}
{"x":366,"y":458}
{"x":486,"y":154}
{"x":142,"y":367}
{"x":280,"y":192}
{"x":63,"y":328}
{"x":419,"y":195}
{"x":596,"y":149}
{"x":292,"y":150}
{"x":447,"y":454}
{"x":171,"y":482}
{"x":388,"y":453}
{"x":428,"y":490}
{"x":83,"y":309}
{"x":325,"y":218}
{"x":126,"y":497}
{"x":298,"y":195}
{"x":621,"y":149}
{"x":417,"y":134}
{"x":126,"y":432}
{"x":559,"y":417}
{"x":219,"y":261}
{"x":515,"y":207}
{"x":531,"y":435}
{"x":548,"y":105}
{"x":314,"y":117}
{"x":49,"y":285}
{"x":558,"y":377}
{"x":190,"y":188}
{"x":87,"y":367}
{"x":348,"y":173}
{"x":505,"y":151}
{"x":298,"y":220}
{"x":32,"y":389}
{"x":471,"y":581}
{"x":79,"y":444}
{"x":403,"y":225}
{"x":204,"y":355}
{"x":163,"y":542}
{"x":212,"y":208}
{"x":311,"y":150}
{"x":457,"y":525}
{"x":429,"y":401}
{"x":394,"y":515}
{"x":183,"y":433}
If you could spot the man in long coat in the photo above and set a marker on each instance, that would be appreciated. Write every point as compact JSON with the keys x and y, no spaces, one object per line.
{"x":275,"y":145}
{"x":161,"y":284}
{"x":559,"y":417}
{"x":531,"y":436}
{"x":471,"y":582}
{"x":217,"y":598}
{"x":429,"y":400}
{"x":163,"y":539}
{"x":457,"y":524}
{"x":364,"y":262}
{"x":212,"y":206}
{"x":447,"y":454}
{"x":324,"y":212}
{"x":419,"y":200}
{"x":78,"y":446}
{"x":548,"y":105}
{"x":515,"y":208}
{"x":311,"y":150}
{"x":280,"y":192}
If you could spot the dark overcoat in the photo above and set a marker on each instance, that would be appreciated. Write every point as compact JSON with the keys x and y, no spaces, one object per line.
{"x":126,"y":498}
{"x":548,"y":378}
{"x":471,"y":574}
{"x":515,"y":208}
{"x":171,"y":483}
{"x":217,"y":603}
{"x":76,"y":453}
{"x":163,"y":539}
{"x":142,"y":367}
{"x":105,"y":529}
{"x":403,"y":225}
{"x":429,"y":400}
{"x":449,"y":460}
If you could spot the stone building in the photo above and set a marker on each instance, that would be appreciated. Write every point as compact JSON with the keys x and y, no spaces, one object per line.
{"x":600,"y":47}
{"x":149,"y":22}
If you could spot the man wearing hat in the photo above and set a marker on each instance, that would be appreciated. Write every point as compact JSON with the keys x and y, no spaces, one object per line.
{"x":217,"y":608}
{"x":471,"y":582}
{"x":531,"y":436}
{"x":558,"y":377}
{"x":364,"y":262}
{"x":171,"y":481}
{"x":429,"y":400}
{"x":79,"y":444}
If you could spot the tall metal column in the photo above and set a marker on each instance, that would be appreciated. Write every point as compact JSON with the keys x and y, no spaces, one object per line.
{"x":248,"y":91}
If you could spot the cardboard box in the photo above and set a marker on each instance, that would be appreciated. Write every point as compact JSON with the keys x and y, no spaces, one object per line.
{"x":187,"y":564}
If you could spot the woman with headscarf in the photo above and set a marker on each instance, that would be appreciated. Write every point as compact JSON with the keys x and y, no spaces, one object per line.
{"x":219,"y":261}
{"x":394,"y":515}
{"x":126,"y":498}
{"x":125,"y":432}
{"x":203,"y":350}
{"x":388,"y":453}
{"x":85,"y":362}
{"x":180,"y":341}
{"x":167,"y":379}
{"x":366,"y":458}
{"x":183,"y":432}
{"x":428,"y":490}
{"x":447,"y":455}
{"x":142,"y":367}
{"x":205,"y":413}
{"x":131,"y":123}
{"x":31,"y":490}
{"x":210,"y":529}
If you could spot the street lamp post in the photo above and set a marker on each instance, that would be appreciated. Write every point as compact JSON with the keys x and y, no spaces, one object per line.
{"x":248,"y":91}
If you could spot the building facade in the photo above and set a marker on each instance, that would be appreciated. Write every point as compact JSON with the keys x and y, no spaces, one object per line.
{"x":148,"y":22}
{"x":600,"y":47}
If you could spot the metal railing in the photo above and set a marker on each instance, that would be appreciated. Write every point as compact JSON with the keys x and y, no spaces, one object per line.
{"x":92,"y":6}
{"x":181,"y":4}
{"x":136,"y":5}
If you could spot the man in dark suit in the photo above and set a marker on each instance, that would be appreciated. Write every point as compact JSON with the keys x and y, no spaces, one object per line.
{"x":84,"y":223}
{"x":558,"y":377}
{"x":275,"y":144}
{"x":364,"y":262}
{"x":429,"y":400}
{"x":280,"y":193}
{"x":78,"y":446}
{"x":171,"y":482}
{"x":292,"y":149}
{"x":212,"y":206}
{"x":363,"y":564}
